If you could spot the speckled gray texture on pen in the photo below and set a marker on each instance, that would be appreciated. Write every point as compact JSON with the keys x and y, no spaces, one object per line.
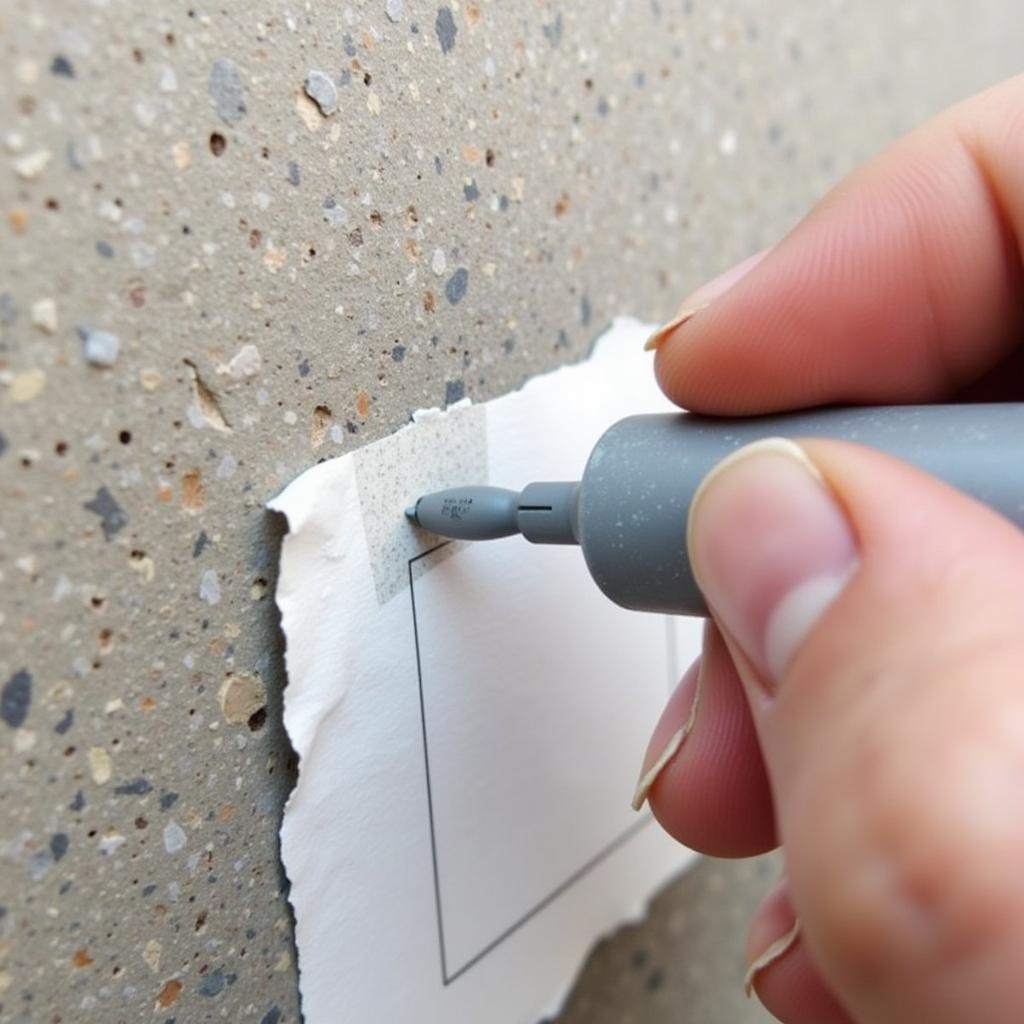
{"x":267,"y":284}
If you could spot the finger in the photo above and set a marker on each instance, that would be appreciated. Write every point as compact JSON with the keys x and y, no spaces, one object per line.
{"x":781,"y":970}
{"x":710,"y":792}
{"x":904,"y":284}
{"x":876,"y":615}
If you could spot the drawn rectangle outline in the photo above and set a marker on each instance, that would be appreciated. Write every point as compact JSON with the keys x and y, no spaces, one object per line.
{"x":603,"y":854}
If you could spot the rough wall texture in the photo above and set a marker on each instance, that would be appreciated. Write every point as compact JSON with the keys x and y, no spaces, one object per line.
{"x":209,"y":280}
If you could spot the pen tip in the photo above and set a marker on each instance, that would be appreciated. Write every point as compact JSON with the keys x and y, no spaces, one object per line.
{"x":410,"y":514}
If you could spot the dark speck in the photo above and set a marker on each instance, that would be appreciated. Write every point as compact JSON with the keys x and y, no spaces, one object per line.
{"x":272,"y":1016}
{"x":349,"y":45}
{"x":59,"y":844}
{"x":445,"y":28}
{"x":3,"y":444}
{"x":167,"y":800}
{"x":563,"y":339}
{"x":454,"y":391}
{"x":112,"y":516}
{"x":471,"y":191}
{"x":639,"y":959}
{"x":655,"y":979}
{"x":16,"y":697}
{"x":105,"y":249}
{"x":148,"y":890}
{"x":137,"y":787}
{"x":398,"y":353}
{"x":304,"y":368}
{"x":774,"y":132}
{"x":61,"y":67}
{"x":65,"y":723}
{"x":200,"y":545}
{"x":508,"y":345}
{"x":78,"y":803}
{"x":553,"y":32}
{"x":503,"y":203}
{"x":585,"y":310}
{"x":602,"y":106}
{"x":456,"y":287}
{"x":438,"y":166}
{"x":293,"y":172}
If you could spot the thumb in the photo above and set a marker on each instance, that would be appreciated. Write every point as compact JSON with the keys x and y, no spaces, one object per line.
{"x":877,"y":620}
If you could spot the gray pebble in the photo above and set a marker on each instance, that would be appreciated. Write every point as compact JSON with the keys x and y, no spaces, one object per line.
{"x":321,"y":89}
{"x":16,"y":698}
{"x":101,"y":348}
{"x":446,"y":29}
{"x":226,"y":89}
{"x":456,"y":287}
{"x":394,"y":9}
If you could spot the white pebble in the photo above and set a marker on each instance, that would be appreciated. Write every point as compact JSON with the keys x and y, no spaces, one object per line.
{"x":438,"y":262}
{"x":32,"y":165}
{"x":174,"y":837}
{"x":44,"y":315}
{"x":209,"y":587}
{"x":246,"y":362}
{"x":101,"y":348}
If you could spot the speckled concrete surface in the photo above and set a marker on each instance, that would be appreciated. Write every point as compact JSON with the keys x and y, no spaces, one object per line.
{"x":242,"y":237}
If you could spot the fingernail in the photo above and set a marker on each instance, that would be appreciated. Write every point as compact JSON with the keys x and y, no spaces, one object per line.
{"x":703,"y":297}
{"x":775,"y":950}
{"x":678,"y":320}
{"x":771,"y":549}
{"x":670,"y":733}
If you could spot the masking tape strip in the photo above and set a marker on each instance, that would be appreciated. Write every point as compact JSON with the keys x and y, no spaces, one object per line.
{"x":438,"y":449}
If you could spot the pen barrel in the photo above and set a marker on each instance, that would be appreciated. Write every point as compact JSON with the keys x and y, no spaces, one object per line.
{"x":641,"y":477}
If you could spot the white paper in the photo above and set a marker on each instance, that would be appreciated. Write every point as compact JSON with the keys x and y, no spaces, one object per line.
{"x":470,"y":723}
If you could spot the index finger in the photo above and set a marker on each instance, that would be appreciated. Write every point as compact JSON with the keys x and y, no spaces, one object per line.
{"x":902,"y":285}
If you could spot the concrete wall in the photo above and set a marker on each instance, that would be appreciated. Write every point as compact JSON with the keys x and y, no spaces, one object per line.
{"x":207,"y":284}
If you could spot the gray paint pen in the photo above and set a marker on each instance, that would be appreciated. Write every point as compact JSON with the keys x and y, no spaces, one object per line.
{"x":628,"y":511}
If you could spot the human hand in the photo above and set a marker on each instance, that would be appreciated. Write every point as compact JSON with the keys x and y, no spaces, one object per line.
{"x":860,"y":697}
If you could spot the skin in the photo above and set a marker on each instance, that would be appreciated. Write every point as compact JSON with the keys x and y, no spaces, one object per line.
{"x":888,"y":759}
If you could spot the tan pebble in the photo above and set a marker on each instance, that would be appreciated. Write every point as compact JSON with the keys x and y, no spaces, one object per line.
{"x":31,"y":165}
{"x":150,"y":379}
{"x":193,"y":492}
{"x":44,"y":315}
{"x":27,"y":385}
{"x":168,"y":995}
{"x":274,"y":258}
{"x":27,"y":71}
{"x":181,"y":153}
{"x":144,"y":566}
{"x":18,"y":217}
{"x":99,"y":765}
{"x":241,"y":696}
{"x":24,"y":740}
{"x":308,"y":111}
{"x":151,"y":955}
{"x":81,"y":958}
{"x":6,"y":980}
{"x":373,"y":104}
